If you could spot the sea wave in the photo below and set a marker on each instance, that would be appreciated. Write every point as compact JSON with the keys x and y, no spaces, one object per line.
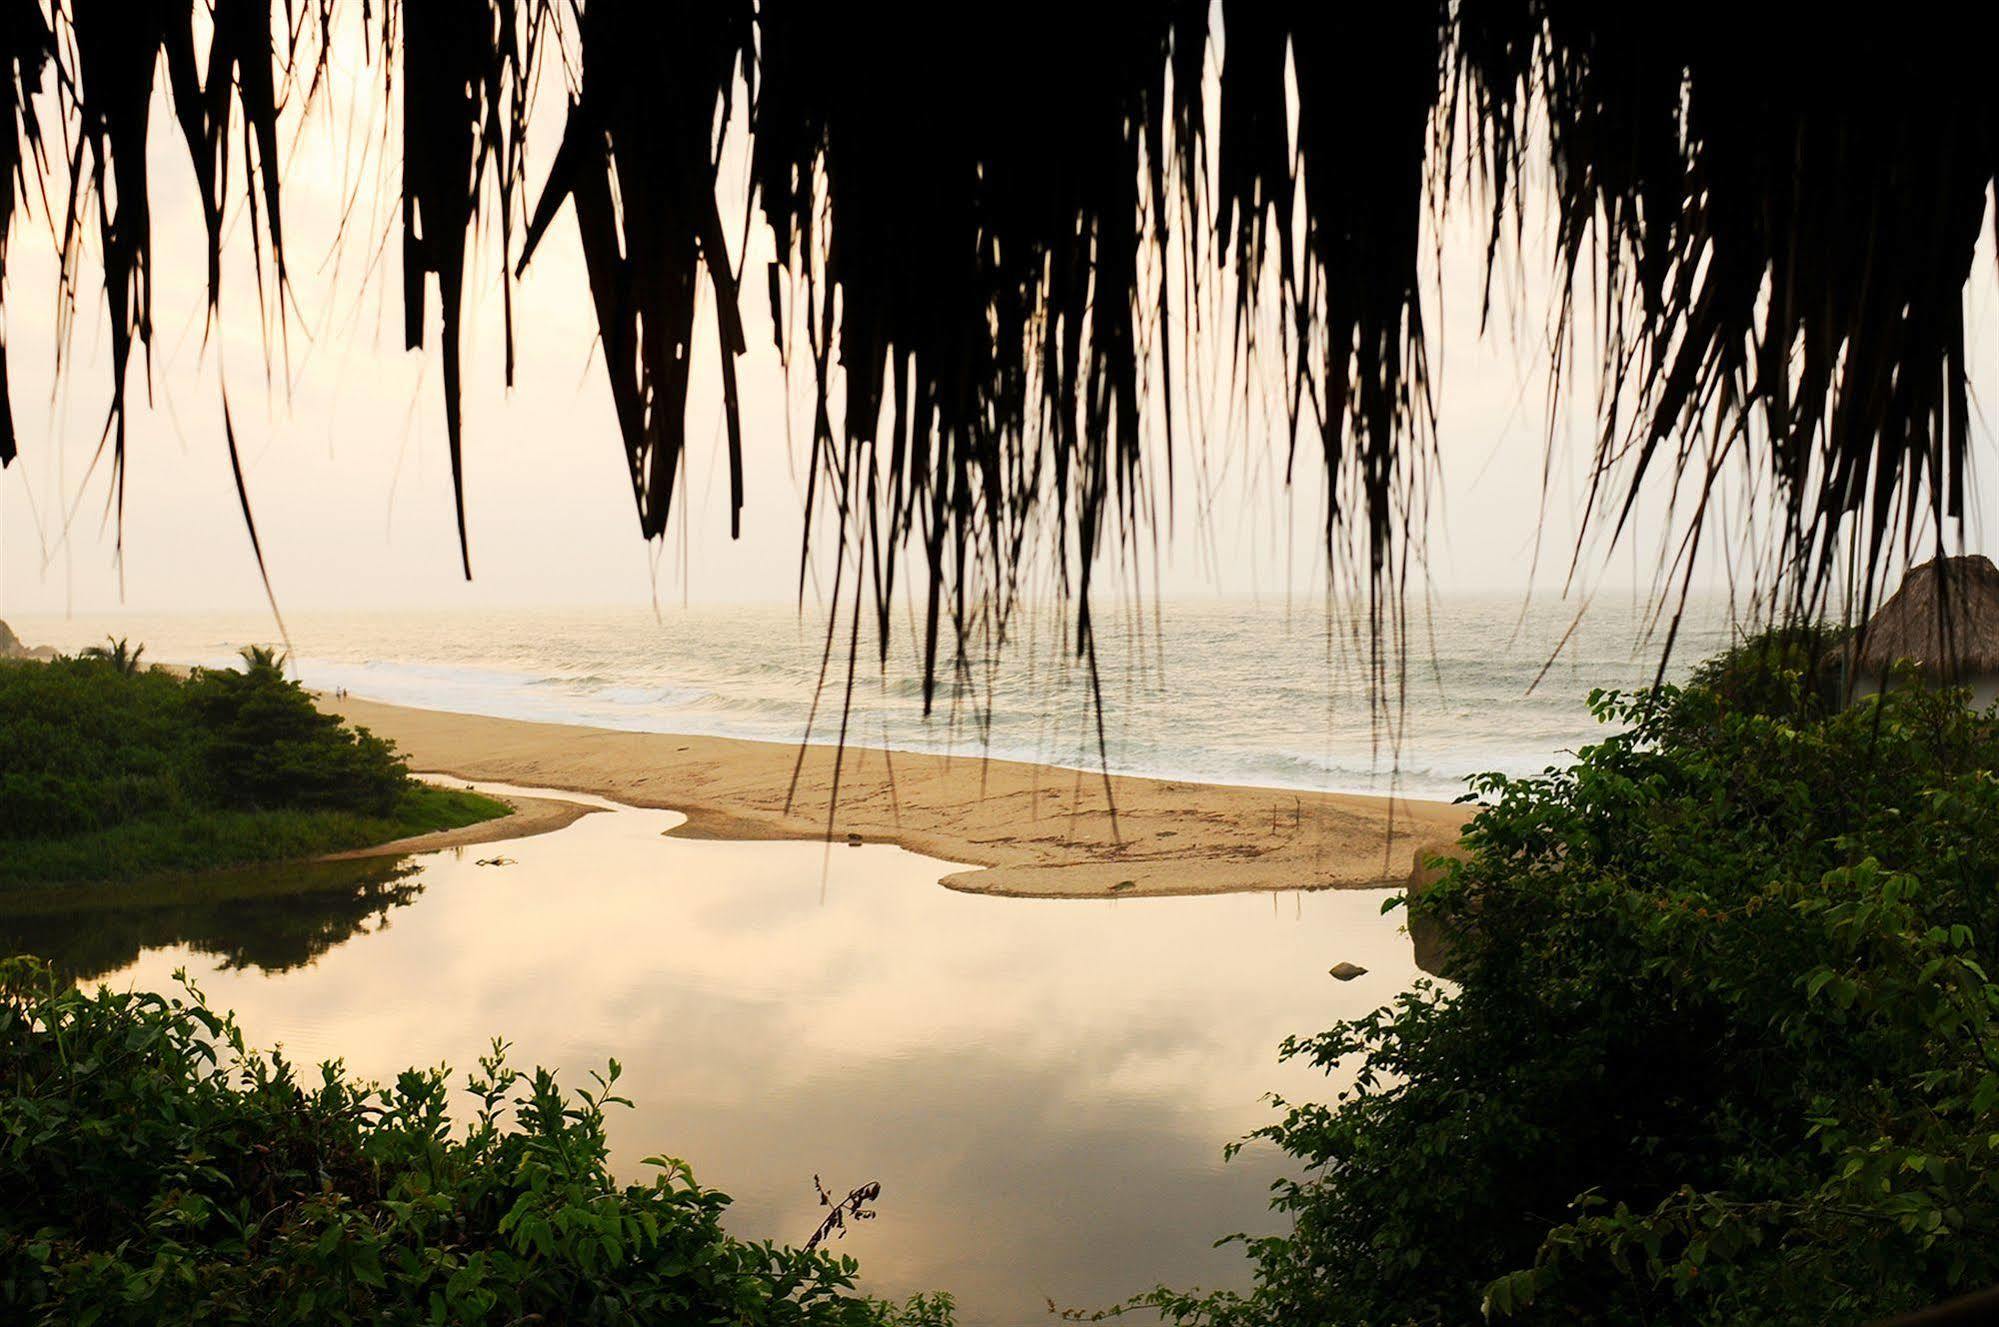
{"x":1221,"y":693}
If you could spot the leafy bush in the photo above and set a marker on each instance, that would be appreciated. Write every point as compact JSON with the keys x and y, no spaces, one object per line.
{"x":83,"y":746}
{"x":107,"y":771}
{"x":1722,"y":1045}
{"x":269,"y":746}
{"x":152,"y":1170}
{"x":1798,"y":669}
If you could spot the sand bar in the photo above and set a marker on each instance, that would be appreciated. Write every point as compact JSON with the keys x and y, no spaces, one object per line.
{"x":530,"y":816}
{"x":1026,"y":830}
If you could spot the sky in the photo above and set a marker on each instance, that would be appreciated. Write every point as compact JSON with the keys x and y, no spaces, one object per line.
{"x":346,"y":463}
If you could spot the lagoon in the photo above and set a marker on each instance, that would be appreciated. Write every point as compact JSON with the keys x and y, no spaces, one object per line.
{"x":1043,"y":1088}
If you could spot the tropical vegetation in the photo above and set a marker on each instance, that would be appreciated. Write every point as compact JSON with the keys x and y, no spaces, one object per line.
{"x":111,"y":771}
{"x":1718,"y":1042}
{"x":155,"y":1171}
{"x":1715,"y":1043}
{"x":119,"y":652}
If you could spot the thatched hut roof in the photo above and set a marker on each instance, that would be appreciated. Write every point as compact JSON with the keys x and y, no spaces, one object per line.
{"x":1944,"y":619}
{"x":989,"y":234}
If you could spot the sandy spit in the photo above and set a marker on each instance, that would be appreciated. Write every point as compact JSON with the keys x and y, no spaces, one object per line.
{"x":1025,"y":830}
{"x":530,"y":816}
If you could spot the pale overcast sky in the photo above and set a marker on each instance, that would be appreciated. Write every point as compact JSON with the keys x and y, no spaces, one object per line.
{"x":350,"y":479}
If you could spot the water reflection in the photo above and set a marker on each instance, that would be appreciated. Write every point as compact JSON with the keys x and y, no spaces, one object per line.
{"x":1043,"y":1088}
{"x":273,"y":919}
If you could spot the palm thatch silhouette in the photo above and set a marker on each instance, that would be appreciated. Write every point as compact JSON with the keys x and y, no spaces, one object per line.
{"x":1770,"y":213}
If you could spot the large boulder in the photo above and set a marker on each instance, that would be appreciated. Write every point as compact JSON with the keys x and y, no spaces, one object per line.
{"x":1433,"y":954}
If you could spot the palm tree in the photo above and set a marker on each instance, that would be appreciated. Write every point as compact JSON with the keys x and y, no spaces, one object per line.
{"x":117,"y":652}
{"x":256,"y":657}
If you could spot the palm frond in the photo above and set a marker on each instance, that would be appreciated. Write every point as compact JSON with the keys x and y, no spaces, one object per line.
{"x":1769,"y":215}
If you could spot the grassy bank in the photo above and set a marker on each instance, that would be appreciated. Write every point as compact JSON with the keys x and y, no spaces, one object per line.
{"x":214,"y":840}
{"x":114,"y":773}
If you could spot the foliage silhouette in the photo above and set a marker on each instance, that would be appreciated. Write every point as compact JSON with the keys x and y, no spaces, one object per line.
{"x":1719,"y":1047}
{"x":118,"y":653}
{"x":270,"y":918}
{"x":154,"y":1170}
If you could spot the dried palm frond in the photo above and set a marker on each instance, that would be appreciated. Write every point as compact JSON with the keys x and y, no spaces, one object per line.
{"x":983,"y":236}
{"x":1781,"y":210}
{"x":466,"y":68}
{"x":1768,"y":215}
{"x":26,"y":48}
{"x":638,"y":162}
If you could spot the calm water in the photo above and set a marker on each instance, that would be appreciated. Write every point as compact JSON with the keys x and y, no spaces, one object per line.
{"x":1043,"y":1088}
{"x":1228,"y":692}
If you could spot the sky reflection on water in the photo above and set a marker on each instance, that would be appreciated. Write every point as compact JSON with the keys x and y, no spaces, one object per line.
{"x":1043,"y":1088}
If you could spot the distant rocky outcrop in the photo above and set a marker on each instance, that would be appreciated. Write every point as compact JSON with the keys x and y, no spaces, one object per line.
{"x":12,"y":648}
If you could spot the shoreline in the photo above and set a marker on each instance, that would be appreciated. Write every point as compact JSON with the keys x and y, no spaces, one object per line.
{"x":1018,"y":829}
{"x":528,"y":817}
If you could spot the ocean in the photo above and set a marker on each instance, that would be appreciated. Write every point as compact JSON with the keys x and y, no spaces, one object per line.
{"x":1212,"y":690}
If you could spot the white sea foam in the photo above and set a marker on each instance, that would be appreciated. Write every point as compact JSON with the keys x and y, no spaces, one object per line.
{"x":1213,"y":691}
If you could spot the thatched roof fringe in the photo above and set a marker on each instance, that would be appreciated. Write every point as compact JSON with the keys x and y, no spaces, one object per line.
{"x":26,"y":48}
{"x":1775,"y":213}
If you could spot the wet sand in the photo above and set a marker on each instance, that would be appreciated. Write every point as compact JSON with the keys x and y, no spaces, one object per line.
{"x":531,"y":816}
{"x":1022,"y":829}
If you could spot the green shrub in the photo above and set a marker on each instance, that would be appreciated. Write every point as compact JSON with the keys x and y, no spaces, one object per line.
{"x":268,"y":746}
{"x":109,"y":772}
{"x":154,"y":1171}
{"x":84,"y":745}
{"x":1722,"y":1045}
{"x":1799,"y":669}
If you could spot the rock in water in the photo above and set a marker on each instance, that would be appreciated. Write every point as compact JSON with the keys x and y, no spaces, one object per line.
{"x":1347,"y":971}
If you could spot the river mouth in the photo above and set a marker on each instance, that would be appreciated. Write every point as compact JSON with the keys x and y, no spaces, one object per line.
{"x":1043,"y":1088}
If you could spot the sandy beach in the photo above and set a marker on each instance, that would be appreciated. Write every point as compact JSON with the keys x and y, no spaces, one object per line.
{"x":1022,"y":829}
